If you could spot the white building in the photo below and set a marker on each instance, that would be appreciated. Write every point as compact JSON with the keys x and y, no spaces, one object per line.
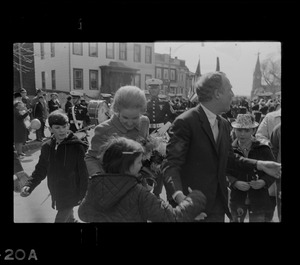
{"x":93,"y":68}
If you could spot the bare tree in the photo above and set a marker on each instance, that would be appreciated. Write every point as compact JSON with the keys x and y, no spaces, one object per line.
{"x":271,"y":70}
{"x":23,"y":57}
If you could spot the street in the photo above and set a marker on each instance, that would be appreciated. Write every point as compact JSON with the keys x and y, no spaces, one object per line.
{"x":36,"y":208}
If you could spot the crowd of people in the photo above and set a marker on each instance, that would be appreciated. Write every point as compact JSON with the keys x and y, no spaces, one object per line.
{"x":26,"y":109}
{"x":217,"y":161}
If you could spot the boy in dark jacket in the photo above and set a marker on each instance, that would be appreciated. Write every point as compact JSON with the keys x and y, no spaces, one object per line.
{"x":62,"y":161}
{"x":249,"y":191}
{"x":119,"y":196}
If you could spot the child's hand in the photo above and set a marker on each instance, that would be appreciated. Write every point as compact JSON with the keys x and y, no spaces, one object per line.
{"x":25,"y":191}
{"x":257,"y":184}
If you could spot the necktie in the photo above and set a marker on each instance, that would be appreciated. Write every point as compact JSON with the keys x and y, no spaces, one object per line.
{"x":215,"y":129}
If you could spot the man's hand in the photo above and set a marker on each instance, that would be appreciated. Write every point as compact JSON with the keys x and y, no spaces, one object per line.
{"x":271,"y":168}
{"x":200,"y":216}
{"x":162,"y":130}
{"x":242,"y":185}
{"x":179,"y":198}
{"x":257,"y":184}
{"x":25,"y":191}
{"x":20,"y":179}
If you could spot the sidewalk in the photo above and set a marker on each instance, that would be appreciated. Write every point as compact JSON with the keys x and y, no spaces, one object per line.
{"x":34,"y":144}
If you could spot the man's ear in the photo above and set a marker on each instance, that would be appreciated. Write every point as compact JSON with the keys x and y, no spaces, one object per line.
{"x":217,"y":93}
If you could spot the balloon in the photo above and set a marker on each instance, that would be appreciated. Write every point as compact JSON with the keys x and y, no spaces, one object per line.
{"x":35,"y":124}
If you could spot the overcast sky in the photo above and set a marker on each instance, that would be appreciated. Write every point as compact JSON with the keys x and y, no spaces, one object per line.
{"x":237,"y":59}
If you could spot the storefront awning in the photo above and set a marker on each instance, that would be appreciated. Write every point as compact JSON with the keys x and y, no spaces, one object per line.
{"x":119,"y":67}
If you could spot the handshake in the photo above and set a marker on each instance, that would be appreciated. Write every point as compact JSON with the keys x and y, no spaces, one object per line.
{"x":201,"y":197}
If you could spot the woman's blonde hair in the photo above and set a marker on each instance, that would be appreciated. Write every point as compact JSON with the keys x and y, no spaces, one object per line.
{"x":129,"y":97}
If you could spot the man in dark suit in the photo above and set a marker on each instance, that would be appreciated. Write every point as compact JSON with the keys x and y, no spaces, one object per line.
{"x":199,"y":151}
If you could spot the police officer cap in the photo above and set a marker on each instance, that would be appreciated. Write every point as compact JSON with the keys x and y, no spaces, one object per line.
{"x":162,"y":96}
{"x":105,"y":95}
{"x":22,"y":90}
{"x":76,"y":94}
{"x":17,"y":95}
{"x":153,"y":82}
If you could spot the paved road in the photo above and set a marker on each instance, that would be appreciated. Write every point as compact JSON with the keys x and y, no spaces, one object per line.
{"x":31,"y":209}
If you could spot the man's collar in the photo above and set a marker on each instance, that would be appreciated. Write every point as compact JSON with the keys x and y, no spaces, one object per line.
{"x":210,"y":115}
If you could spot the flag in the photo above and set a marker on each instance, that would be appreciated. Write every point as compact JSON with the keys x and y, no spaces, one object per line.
{"x":192,"y":92}
{"x":198,"y":72}
{"x":218,"y":64}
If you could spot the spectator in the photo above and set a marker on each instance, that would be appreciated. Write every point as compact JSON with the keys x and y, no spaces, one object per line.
{"x":128,"y":105}
{"x":17,"y":97}
{"x":20,"y":130}
{"x":36,"y":99}
{"x":62,"y":162}
{"x":68,"y":104}
{"x":263,"y":134}
{"x":53,"y":103}
{"x":263,"y":108}
{"x":39,"y":113}
{"x":275,"y":141}
{"x":249,"y":191}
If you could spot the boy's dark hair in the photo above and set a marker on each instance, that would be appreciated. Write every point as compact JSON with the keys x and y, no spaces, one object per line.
{"x":119,"y":153}
{"x":57,"y":118}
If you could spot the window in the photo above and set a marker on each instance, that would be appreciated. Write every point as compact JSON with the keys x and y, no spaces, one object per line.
{"x":137,"y":80}
{"x":165,"y":88}
{"x":123,"y":51}
{"x":93,"y":80}
{"x":77,"y":48}
{"x":42,"y":51}
{"x":93,"y":49}
{"x":110,"y":50}
{"x":52,"y":48}
{"x":158,"y":73}
{"x":78,"y":78}
{"x":43,"y":80}
{"x":166,"y":73}
{"x":148,"y":77}
{"x":172,"y":73}
{"x":137,"y":53}
{"x":148,"y":54}
{"x":53,"y":79}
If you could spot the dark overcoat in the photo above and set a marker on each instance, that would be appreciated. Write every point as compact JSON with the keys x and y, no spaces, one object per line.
{"x":65,"y":169}
{"x":195,"y":160}
{"x":122,"y":198}
{"x":20,"y":130}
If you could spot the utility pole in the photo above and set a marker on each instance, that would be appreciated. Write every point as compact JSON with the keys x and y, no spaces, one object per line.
{"x":169,"y":75}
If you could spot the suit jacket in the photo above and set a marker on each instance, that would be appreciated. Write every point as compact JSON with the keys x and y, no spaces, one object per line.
{"x":195,"y":160}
